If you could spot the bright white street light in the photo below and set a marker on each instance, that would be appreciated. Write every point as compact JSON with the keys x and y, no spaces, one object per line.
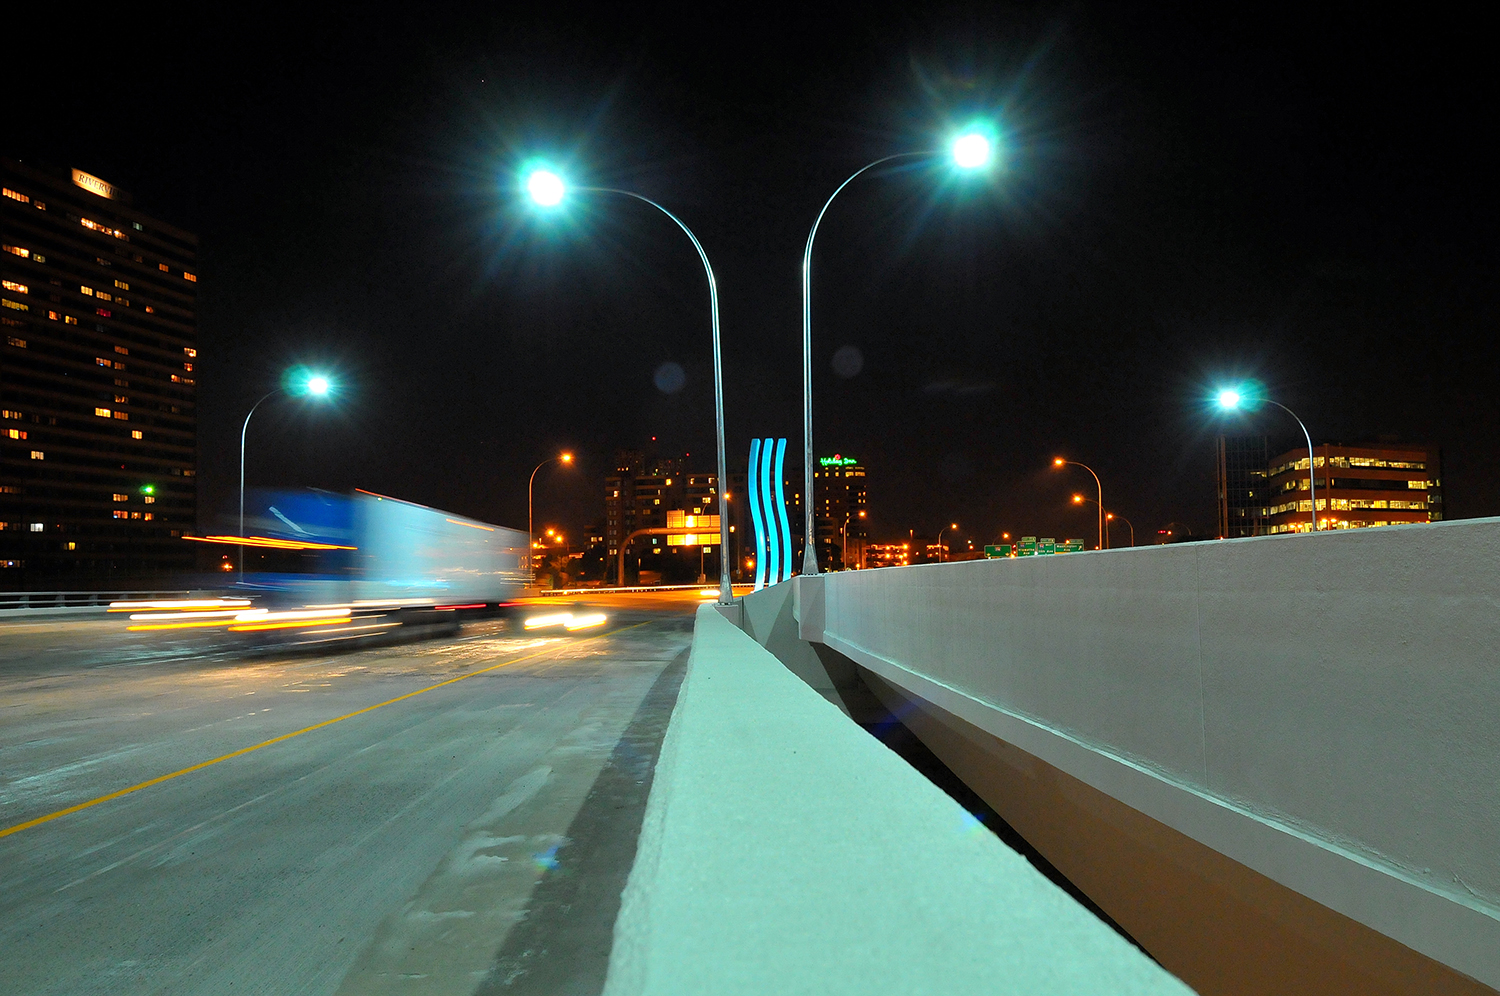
{"x":1229,"y":399}
{"x":318,"y":386}
{"x":545,"y":187}
{"x":971,"y":150}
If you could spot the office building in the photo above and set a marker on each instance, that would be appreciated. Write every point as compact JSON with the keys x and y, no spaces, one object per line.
{"x":1359,"y":486}
{"x":98,"y":430}
{"x":1242,"y":466}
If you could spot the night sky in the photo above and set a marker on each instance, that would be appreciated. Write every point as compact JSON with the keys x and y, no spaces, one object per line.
{"x":1301,"y":197}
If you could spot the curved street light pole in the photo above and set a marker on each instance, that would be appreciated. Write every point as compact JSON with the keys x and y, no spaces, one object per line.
{"x":243,"y":430}
{"x":1127,"y":522}
{"x":942,"y":551}
{"x":726,"y":594}
{"x":810,"y":542}
{"x":1060,"y":462}
{"x":530,"y":537}
{"x":1312,"y":470}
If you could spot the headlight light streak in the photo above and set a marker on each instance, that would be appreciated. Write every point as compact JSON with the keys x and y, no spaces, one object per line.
{"x":568,"y":620}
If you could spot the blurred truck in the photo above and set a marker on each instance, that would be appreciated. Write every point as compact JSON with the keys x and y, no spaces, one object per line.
{"x":310,"y":546}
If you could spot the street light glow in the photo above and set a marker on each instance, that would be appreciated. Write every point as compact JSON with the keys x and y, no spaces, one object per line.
{"x":318,"y":386}
{"x":1058,"y":461}
{"x":1229,"y":399}
{"x":546,"y":187}
{"x":971,"y":150}
{"x":566,"y":458}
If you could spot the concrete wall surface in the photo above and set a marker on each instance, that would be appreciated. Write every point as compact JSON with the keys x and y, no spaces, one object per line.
{"x":786,"y":851}
{"x":1324,"y":709}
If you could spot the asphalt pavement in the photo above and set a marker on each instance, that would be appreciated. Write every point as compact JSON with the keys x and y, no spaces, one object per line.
{"x":447,"y":816}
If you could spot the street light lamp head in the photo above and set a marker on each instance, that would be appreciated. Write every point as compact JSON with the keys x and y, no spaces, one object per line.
{"x":318,"y":386}
{"x":545,"y":187}
{"x":1229,"y":399}
{"x":566,"y":458}
{"x":1078,"y":499}
{"x":1058,"y":461}
{"x":972,"y":150}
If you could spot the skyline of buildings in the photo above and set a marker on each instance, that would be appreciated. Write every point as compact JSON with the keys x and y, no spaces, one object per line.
{"x":98,"y":405}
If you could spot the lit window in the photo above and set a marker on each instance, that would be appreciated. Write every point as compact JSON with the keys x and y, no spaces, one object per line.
{"x":72,"y":546}
{"x":121,"y":399}
{"x":101,"y":295}
{"x":1418,"y":485}
{"x":119,"y":366}
{"x":103,"y":362}
{"x":119,"y":497}
{"x":13,"y":195}
{"x":148,"y":515}
{"x":163,"y":267}
{"x":103,"y":229}
{"x":121,"y":383}
{"x":86,"y":291}
{"x":120,"y":513}
{"x":7,"y":413}
{"x":15,"y":433}
{"x":38,"y":455}
{"x":102,"y":412}
{"x":190,"y":352}
{"x":13,"y":305}
{"x":11,"y":340}
{"x":37,"y":527}
{"x":189,"y":278}
{"x":69,"y":320}
{"x":135,"y":434}
{"x":122,"y":285}
{"x":188,"y":367}
{"x":11,"y":285}
{"x":135,"y":515}
{"x":150,"y":310}
{"x":150,"y":499}
{"x":123,"y":350}
{"x":52,"y":315}
{"x":123,"y":416}
{"x":103,"y":312}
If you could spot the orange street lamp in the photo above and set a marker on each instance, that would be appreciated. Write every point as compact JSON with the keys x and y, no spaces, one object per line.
{"x":1061,"y":462}
{"x":563,"y":457}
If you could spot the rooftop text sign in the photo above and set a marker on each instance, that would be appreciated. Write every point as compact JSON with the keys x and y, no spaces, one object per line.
{"x":93,"y":184}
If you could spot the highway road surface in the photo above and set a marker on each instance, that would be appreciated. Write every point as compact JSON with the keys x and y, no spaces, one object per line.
{"x":450,"y":816}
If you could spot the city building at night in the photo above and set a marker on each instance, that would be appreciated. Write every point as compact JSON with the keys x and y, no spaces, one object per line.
{"x":98,"y":429}
{"x":654,"y":492}
{"x":887,"y":555}
{"x":1360,"y":486}
{"x":839,"y":490}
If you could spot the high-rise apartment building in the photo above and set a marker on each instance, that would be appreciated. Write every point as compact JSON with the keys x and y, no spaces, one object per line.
{"x":839,"y":489}
{"x":98,"y":426}
{"x":644,"y":491}
{"x":1360,"y":486}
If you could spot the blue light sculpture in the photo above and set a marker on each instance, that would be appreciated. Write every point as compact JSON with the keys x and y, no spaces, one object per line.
{"x":773,"y":533}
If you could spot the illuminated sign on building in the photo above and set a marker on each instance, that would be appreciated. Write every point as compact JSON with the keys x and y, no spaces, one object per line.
{"x":838,"y":461}
{"x":93,"y":184}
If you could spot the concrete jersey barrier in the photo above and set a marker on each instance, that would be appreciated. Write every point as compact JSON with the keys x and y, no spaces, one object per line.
{"x":786,"y":851}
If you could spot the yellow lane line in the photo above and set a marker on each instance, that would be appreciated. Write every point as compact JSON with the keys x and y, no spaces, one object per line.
{"x":276,"y":740}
